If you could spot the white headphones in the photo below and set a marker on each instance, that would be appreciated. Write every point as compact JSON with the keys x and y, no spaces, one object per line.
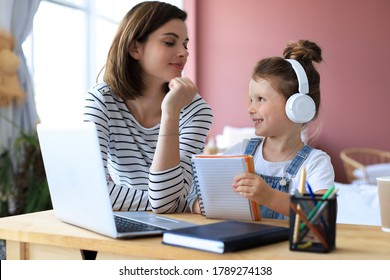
{"x":300,"y":107}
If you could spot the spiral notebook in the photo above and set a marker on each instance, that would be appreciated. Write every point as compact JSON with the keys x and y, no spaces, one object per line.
{"x":213,"y":179}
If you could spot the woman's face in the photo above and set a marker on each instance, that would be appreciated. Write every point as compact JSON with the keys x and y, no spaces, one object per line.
{"x":267,"y":109}
{"x":164,"y":53}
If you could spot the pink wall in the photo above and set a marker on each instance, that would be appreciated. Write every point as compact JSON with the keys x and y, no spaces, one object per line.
{"x":231,"y":35}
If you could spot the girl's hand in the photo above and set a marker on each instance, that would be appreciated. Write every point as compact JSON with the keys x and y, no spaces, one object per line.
{"x":182,"y":92}
{"x":252,"y":186}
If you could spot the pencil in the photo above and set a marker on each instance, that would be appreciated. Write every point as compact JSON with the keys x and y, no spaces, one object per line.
{"x":317,"y":215}
{"x":305,"y":207}
{"x":315,"y":231}
{"x":301,"y":191}
{"x":322,"y":207}
{"x":313,"y":198}
{"x":315,"y":209}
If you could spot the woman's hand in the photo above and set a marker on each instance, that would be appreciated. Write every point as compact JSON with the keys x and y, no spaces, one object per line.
{"x":196,"y":207}
{"x":181,"y":93}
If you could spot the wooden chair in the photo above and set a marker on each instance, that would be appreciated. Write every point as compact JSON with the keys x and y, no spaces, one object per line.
{"x":360,"y":158}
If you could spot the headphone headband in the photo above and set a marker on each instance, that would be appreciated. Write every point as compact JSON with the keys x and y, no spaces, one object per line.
{"x":303,"y":84}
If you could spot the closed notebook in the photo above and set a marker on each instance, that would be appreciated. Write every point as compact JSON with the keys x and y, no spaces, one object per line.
{"x":226,"y":236}
{"x":213,"y":179}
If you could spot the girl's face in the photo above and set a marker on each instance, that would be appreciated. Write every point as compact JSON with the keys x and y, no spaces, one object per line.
{"x":267,"y":109}
{"x":165,"y":53}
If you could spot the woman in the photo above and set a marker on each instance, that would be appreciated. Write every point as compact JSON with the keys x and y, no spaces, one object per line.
{"x":150,"y":120}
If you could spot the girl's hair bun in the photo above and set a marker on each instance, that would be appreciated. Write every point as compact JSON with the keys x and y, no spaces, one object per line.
{"x":303,"y":50}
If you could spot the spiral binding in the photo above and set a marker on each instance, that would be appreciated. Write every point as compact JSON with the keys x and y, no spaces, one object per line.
{"x":196,"y":184}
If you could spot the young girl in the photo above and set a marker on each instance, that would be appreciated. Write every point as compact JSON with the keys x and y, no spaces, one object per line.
{"x":150,"y":120}
{"x":279,"y":116}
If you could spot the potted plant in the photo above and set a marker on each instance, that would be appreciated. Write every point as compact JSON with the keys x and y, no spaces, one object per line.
{"x":23,"y":183}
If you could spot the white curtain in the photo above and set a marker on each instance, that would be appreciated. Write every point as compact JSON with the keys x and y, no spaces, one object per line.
{"x":16,"y":17}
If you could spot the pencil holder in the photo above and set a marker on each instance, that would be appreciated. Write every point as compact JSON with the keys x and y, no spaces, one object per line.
{"x":312,"y":223}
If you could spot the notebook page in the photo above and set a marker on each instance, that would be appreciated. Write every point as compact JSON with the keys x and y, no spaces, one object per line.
{"x":215,"y":178}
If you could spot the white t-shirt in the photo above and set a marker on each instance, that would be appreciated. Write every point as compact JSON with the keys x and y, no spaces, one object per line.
{"x":319,"y":169}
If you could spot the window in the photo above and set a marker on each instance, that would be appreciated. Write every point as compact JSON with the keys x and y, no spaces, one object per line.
{"x":67,"y":49}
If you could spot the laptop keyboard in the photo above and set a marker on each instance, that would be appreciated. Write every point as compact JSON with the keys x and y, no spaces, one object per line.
{"x":126,"y":225}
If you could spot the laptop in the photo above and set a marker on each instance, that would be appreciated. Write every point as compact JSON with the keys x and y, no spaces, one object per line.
{"x":78,"y":187}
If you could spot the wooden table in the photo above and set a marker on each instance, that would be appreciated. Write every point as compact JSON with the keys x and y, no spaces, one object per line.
{"x":41,"y":236}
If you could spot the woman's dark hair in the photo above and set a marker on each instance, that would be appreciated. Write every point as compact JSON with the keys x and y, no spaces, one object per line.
{"x":281,"y":74}
{"x":123,"y":73}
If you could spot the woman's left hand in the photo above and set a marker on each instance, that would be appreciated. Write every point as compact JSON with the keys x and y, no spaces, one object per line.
{"x":181,"y":93}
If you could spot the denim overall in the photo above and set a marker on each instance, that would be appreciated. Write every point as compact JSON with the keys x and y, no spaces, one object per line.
{"x":279,"y":183}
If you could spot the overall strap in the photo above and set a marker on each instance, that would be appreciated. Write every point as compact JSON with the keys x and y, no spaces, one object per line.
{"x":298,"y":160}
{"x":252,"y":146}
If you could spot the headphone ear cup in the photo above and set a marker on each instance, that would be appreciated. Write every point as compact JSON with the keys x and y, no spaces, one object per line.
{"x":300,"y":108}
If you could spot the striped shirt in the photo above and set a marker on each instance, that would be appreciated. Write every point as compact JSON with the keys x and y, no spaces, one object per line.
{"x":128,"y":149}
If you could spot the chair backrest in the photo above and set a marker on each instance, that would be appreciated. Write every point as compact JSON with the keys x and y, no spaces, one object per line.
{"x":359,"y":158}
